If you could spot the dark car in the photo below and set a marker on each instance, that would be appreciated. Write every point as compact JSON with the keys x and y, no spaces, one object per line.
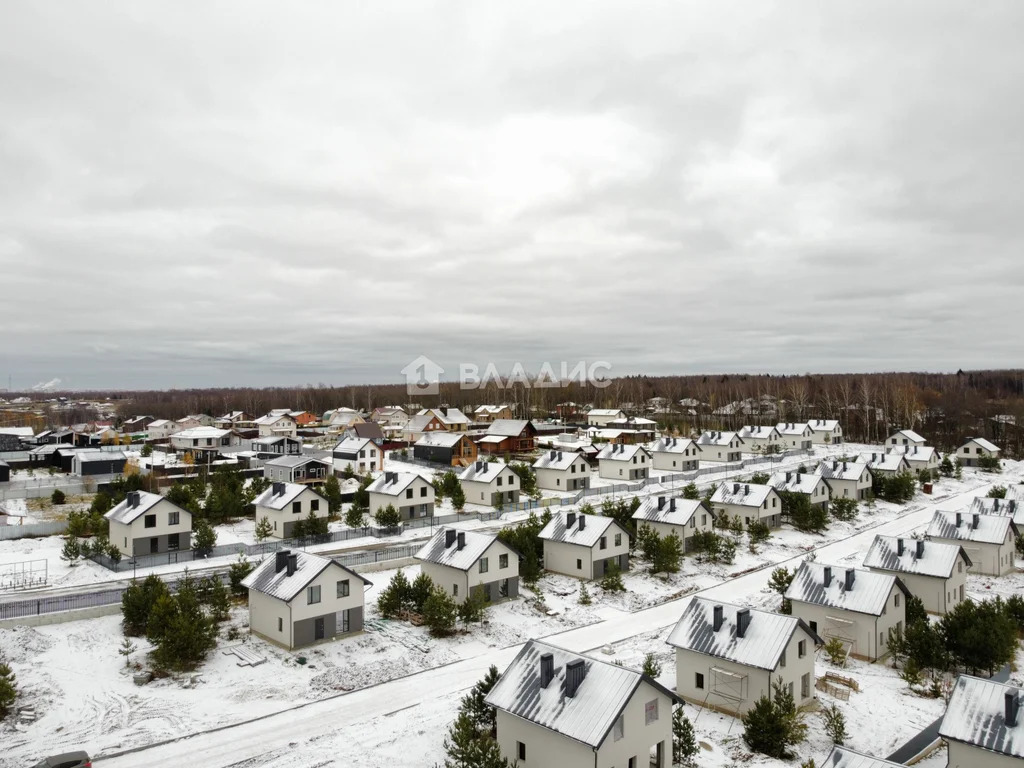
{"x":67,"y":760}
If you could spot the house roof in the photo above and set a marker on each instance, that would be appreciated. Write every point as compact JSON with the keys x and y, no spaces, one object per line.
{"x":161,"y":422}
{"x":1011,"y":507}
{"x":841,"y":470}
{"x":984,"y":529}
{"x":605,"y":412}
{"x":87,"y":455}
{"x":757,"y":432}
{"x":294,"y":461}
{"x":976,"y":715}
{"x":273,"y":418}
{"x":508,"y":427}
{"x":271,"y":500}
{"x":23,"y":432}
{"x":823,"y":425}
{"x":493,"y":439}
{"x":619,"y":452}
{"x":742,"y":494}
{"x":587,"y":716}
{"x":490,"y":408}
{"x":843,"y":757}
{"x":795,"y":482}
{"x":269,"y":581}
{"x":123,"y":513}
{"x":915,"y":452}
{"x":435,"y":550}
{"x":910,"y":434}
{"x":887,"y":462}
{"x":672,"y":445}
{"x":561,"y":460}
{"x":193,"y":433}
{"x":446,"y":415}
{"x":440,"y":439}
{"x":717,"y":438}
{"x":988,"y":446}
{"x":672,"y":511}
{"x":392,"y":483}
{"x":273,"y":439}
{"x":482,"y":471}
{"x":868,"y":594}
{"x":368,"y":430}
{"x":798,"y":428}
{"x":353,"y":445}
{"x":761,"y":646}
{"x":937,"y":560}
{"x":595,"y":526}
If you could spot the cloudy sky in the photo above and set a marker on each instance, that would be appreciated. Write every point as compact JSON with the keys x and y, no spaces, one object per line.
{"x":258,"y":193}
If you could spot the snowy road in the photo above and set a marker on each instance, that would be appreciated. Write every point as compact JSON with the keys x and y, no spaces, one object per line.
{"x":339,"y":720}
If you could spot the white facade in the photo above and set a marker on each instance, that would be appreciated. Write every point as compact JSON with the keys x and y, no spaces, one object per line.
{"x":149,"y":532}
{"x":796,"y":435}
{"x":284,"y":504}
{"x":720,"y":446}
{"x":410,"y":494}
{"x":602,"y":417}
{"x":204,"y":439}
{"x":624,"y":463}
{"x":489,"y":484}
{"x":562,"y":471}
{"x":497,"y":563}
{"x":905,"y":438}
{"x":760,"y":439}
{"x":975,"y":448}
{"x":360,"y":454}
{"x":749,"y":502}
{"x":584,"y":552}
{"x":825,"y":431}
{"x":674,"y":454}
{"x":281,"y":424}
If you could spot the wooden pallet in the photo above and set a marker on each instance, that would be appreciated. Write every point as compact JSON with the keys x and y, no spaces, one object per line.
{"x":246,"y":657}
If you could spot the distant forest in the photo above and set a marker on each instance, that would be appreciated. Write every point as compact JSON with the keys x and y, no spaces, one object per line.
{"x":944,"y":407}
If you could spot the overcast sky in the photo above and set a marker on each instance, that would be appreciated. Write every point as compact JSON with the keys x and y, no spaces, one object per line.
{"x":258,"y":193}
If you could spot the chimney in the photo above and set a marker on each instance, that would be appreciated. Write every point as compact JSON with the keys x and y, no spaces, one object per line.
{"x":899,"y":547}
{"x":742,"y":621}
{"x":1011,"y":707}
{"x":461,"y":540}
{"x":719,"y":618}
{"x":788,"y":476}
{"x":844,"y":466}
{"x":280,"y":560}
{"x":671,"y":505}
{"x":559,"y":455}
{"x":746,"y":490}
{"x":547,"y":669}
{"x":920,"y":548}
{"x":995,"y":504}
{"x":293,"y":563}
{"x":553,"y":455}
{"x":959,"y":519}
{"x":661,"y":502}
{"x":828,"y":576}
{"x":575,"y":671}
{"x":735,"y":487}
{"x":278,"y":489}
{"x":851,"y":574}
{"x":480,"y":466}
{"x":449,"y":538}
{"x":570,"y":520}
{"x":582,"y":522}
{"x":975,"y":521}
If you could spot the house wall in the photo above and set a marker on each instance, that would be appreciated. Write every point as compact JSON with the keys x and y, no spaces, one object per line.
{"x":638,"y":738}
{"x":409,"y":508}
{"x":897,"y":439}
{"x":604,"y":421}
{"x":868,"y":635}
{"x":827,"y":436}
{"x":279,"y":427}
{"x":134,"y":539}
{"x":371,"y":460}
{"x":772,"y":515}
{"x":544,"y":747}
{"x":676,"y":462}
{"x":282,"y":521}
{"x":453,"y":581}
{"x":938,"y":595}
{"x":494,"y":573}
{"x":103,"y":467}
{"x":721,"y":453}
{"x":851,"y":489}
{"x":969,"y":453}
{"x":565,"y":480}
{"x":960,"y":755}
{"x":916,"y":465}
{"x":484,"y":493}
{"x":989,"y":559}
{"x":624,"y":471}
{"x":701,"y":521}
{"x":561,"y":556}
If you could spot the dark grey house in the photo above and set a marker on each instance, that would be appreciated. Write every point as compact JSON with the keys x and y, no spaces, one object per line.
{"x":86,"y":463}
{"x":297,"y":469}
{"x":275,"y":446}
{"x":5,"y":472}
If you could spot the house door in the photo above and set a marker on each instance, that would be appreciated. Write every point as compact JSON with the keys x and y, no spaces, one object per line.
{"x":318,"y":628}
{"x":154,"y":545}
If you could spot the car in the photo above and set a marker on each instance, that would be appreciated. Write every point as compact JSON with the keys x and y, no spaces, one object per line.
{"x":67,"y":760}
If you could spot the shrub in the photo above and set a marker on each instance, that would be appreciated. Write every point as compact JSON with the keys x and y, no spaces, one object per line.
{"x":57,"y":497}
{"x":843,"y":509}
{"x":760,"y":478}
{"x":8,"y":689}
{"x":420,"y":589}
{"x":387,"y":517}
{"x":980,"y":636}
{"x":204,"y":538}
{"x":684,"y":740}
{"x":989,"y":464}
{"x":669,"y":553}
{"x":237,"y":572}
{"x":774,"y":724}
{"x":996,"y":492}
{"x":472,"y":609}
{"x":836,"y":652}
{"x":395,"y":597}
{"x":354,"y":517}
{"x":584,"y":598}
{"x":759,"y":532}
{"x":439,"y":613}
{"x":612,"y":580}
{"x":691,"y":491}
{"x":835,"y":724}
{"x":651,"y":667}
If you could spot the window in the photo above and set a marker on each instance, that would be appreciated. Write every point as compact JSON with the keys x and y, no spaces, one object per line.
{"x":483,"y":565}
{"x":423,"y":492}
{"x":604,"y":542}
{"x":896,"y":598}
{"x":313,"y":594}
{"x":618,"y":539}
{"x":343,"y":588}
{"x":150,"y":521}
{"x":521,"y":750}
{"x":296,"y":507}
{"x":801,"y":648}
{"x":408,"y":493}
{"x":362,"y":454}
{"x":511,"y":481}
{"x":173,"y":518}
{"x":280,"y":624}
{"x":698,"y":681}
{"x":455,"y":590}
{"x":619,"y":729}
{"x":503,"y":561}
{"x":805,"y":685}
{"x":814,"y":627}
{"x":959,"y":566}
{"x":651,"y":712}
{"x":631,"y":763}
{"x":314,"y":504}
{"x":503,"y":588}
{"x":173,"y":543}
{"x":499,"y":481}
{"x":579,"y":564}
{"x":782,"y":659}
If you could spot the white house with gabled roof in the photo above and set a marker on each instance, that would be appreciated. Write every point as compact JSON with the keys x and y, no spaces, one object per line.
{"x":795,"y":434}
{"x":1014,"y":508}
{"x":988,"y":540}
{"x":674,"y":454}
{"x":409,"y":493}
{"x":934,"y":572}
{"x":975,"y":448}
{"x":748,"y":501}
{"x":825,"y":431}
{"x":808,"y":484}
{"x":583,"y":545}
{"x":284,"y":504}
{"x":161,"y":429}
{"x":147,"y":524}
{"x":906,"y":438}
{"x":856,"y":606}
{"x":920,"y":457}
{"x":360,"y":454}
{"x":558,"y":470}
{"x":846,"y":479}
{"x":760,"y":439}
{"x":277,"y":423}
{"x":601,"y":417}
{"x":558,"y":708}
{"x":983,"y":726}
{"x":461,"y":561}
{"x":666,"y":515}
{"x":619,"y":461}
{"x":297,"y":599}
{"x":727,"y":656}
{"x":489,"y":483}
{"x":887,"y":464}
{"x":720,"y":446}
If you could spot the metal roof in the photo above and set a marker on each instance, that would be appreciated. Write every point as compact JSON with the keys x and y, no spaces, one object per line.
{"x":436,"y":550}
{"x":761,"y":646}
{"x":937,"y":559}
{"x":123,"y":513}
{"x":1010,"y":507}
{"x":757,"y":432}
{"x":619,"y":452}
{"x":796,"y":482}
{"x":915,"y":452}
{"x":440,"y":439}
{"x":352,"y":445}
{"x":868,"y":594}
{"x":887,"y":462}
{"x":588,"y":715}
{"x":194,"y":433}
{"x":843,"y":757}
{"x":976,"y":715}
{"x":507,"y":427}
{"x":273,"y":583}
{"x":672,"y":511}
{"x":270,"y":500}
{"x":795,"y":428}
{"x":562,"y":460}
{"x":673,"y":445}
{"x":823,"y":425}
{"x":910,"y":434}
{"x":741,"y":494}
{"x":392,"y":483}
{"x":717,"y":438}
{"x":985,"y":529}
{"x":483,"y":471}
{"x":98,"y":455}
{"x":988,"y":446}
{"x":595,"y":526}
{"x":605,"y":412}
{"x":842,"y":470}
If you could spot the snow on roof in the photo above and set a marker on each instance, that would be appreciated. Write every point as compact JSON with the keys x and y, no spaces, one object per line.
{"x":604,"y":412}
{"x":557,"y":459}
{"x":716,"y":438}
{"x":887,"y":462}
{"x":976,"y":715}
{"x":757,"y":432}
{"x":823,"y":425}
{"x":936,"y":559}
{"x":492,"y":439}
{"x":508,"y":427}
{"x":910,"y":434}
{"x":17,"y":431}
{"x":392,"y":483}
{"x":594,"y":527}
{"x":440,"y":439}
{"x":352,"y":445}
{"x":983,"y":443}
{"x":267,"y":579}
{"x":273,"y":418}
{"x":445,"y":415}
{"x":200,"y":432}
{"x":288,"y":494}
{"x":985,"y":529}
{"x":868,"y":590}
{"x":841,"y":470}
{"x":482,"y":471}
{"x":490,"y":408}
{"x":160,"y":422}
{"x":668,"y":510}
{"x":914,"y":452}
{"x":619,"y":452}
{"x":125,"y":513}
{"x":444,"y":550}
{"x":798,"y":428}
{"x":1011,"y":507}
{"x":293,"y":461}
{"x":589,"y":714}
{"x":762,"y":644}
{"x":742,"y":494}
{"x":844,"y":757}
{"x":795,"y":482}
{"x":273,"y":439}
{"x":87,"y":455}
{"x":672,"y":445}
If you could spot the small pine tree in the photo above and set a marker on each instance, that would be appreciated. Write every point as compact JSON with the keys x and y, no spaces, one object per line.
{"x":71,"y":550}
{"x":395,"y":597}
{"x":355,"y":517}
{"x":996,"y":492}
{"x":843,"y":509}
{"x":835,"y":724}
{"x":946,"y":467}
{"x":584,"y":598}
{"x":439,"y":613}
{"x":836,"y":652}
{"x":332,"y":492}
{"x":204,"y":538}
{"x":774,"y":724}
{"x":684,"y":739}
{"x":480,"y":713}
{"x":668,"y":555}
{"x":612,"y":580}
{"x":736,"y":526}
{"x":473,"y":607}
{"x":127,"y":649}
{"x":387,"y":517}
{"x":462,"y":744}
{"x":759,"y":532}
{"x":651,"y":667}
{"x":691,"y":491}
{"x":8,"y":689}
{"x":958,"y":469}
{"x":264,"y":529}
{"x":216,"y":599}
{"x":58,"y":497}
{"x":419,"y":591}
{"x":237,"y":572}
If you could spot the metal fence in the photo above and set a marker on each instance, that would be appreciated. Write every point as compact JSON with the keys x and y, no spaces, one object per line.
{"x":29,"y":530}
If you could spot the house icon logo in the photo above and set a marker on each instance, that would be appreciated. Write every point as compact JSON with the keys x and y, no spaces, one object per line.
{"x":422,"y":376}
